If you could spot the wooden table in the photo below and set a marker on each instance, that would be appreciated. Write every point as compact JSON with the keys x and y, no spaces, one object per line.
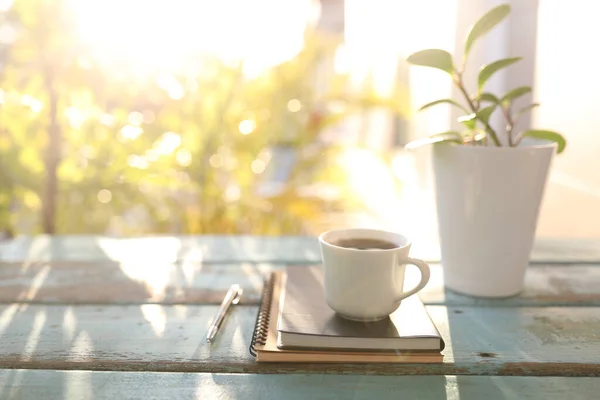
{"x":95,"y":317}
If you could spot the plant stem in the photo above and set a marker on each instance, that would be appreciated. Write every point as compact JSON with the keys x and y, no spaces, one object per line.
{"x":509,"y":124}
{"x":518,"y":138}
{"x":459,"y":83}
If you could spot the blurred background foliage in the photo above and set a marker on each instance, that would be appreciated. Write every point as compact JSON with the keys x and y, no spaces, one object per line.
{"x":88,"y":147}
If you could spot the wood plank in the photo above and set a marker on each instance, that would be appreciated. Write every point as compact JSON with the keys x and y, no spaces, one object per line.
{"x":237,"y":248}
{"x":535,"y":341}
{"x":82,"y":385}
{"x":205,"y":248}
{"x":196,"y":283}
{"x":545,"y":285}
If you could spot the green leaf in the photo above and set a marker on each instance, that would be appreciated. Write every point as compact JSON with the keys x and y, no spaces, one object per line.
{"x":433,"y":58}
{"x":488,"y":70}
{"x":489,"y":97}
{"x":449,"y":101}
{"x":470,"y":121}
{"x":485,"y":113}
{"x":485,"y":24}
{"x":450,"y":136}
{"x":515,"y":93}
{"x":547,"y":135}
{"x":525,"y":109}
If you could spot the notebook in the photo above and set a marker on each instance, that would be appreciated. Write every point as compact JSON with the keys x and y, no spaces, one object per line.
{"x":305,"y":320}
{"x":263,"y":344}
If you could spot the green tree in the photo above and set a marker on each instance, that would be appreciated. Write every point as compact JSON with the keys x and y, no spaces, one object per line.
{"x":90,"y":150}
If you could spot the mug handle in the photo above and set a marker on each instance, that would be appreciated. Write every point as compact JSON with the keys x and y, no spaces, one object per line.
{"x":425,"y":273}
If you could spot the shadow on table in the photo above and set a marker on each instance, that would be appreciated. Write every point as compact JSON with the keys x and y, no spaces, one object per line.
{"x":95,"y":314}
{"x":39,"y":300}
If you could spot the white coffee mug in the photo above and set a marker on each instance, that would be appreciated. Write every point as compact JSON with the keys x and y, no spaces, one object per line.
{"x":367,"y":285}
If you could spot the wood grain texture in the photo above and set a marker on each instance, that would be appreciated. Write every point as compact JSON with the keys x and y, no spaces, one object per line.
{"x":84,"y":385}
{"x":203,"y":283}
{"x":536,"y":341}
{"x":238,"y":248}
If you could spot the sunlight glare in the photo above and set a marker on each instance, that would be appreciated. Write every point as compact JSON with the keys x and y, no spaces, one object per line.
{"x":136,"y":161}
{"x":33,"y":104}
{"x":36,"y":284}
{"x":171,"y":85}
{"x":82,"y":347}
{"x":184,"y":157}
{"x":76,"y":117}
{"x":69,"y":325}
{"x":258,"y":166}
{"x":131,"y":132}
{"x":154,"y":275}
{"x":247,"y":126}
{"x":136,"y":118}
{"x":162,"y":35}
{"x":157,"y":249}
{"x":156,"y":317}
{"x":34,"y":335}
{"x":232,"y":193}
{"x":78,"y":385}
{"x":168,"y":143}
{"x":5,"y":5}
{"x":361,"y":165}
{"x":191,"y":265}
{"x":7,"y":316}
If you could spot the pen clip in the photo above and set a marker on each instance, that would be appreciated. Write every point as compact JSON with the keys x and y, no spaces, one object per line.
{"x":238,"y":296}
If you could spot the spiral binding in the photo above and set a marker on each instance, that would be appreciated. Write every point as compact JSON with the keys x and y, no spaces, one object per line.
{"x":261,"y":326}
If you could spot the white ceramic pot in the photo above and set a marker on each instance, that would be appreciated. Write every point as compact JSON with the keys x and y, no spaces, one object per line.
{"x":488,"y":201}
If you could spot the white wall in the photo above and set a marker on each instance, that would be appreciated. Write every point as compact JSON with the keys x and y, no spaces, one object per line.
{"x":567,"y":84}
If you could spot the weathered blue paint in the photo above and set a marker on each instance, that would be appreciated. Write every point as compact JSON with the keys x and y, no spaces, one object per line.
{"x":83,"y":385}
{"x":205,"y":248}
{"x":238,"y":248}
{"x":194,"y":283}
{"x":489,"y":341}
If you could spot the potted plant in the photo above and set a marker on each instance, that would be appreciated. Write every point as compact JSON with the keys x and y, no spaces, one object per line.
{"x":489,"y":181}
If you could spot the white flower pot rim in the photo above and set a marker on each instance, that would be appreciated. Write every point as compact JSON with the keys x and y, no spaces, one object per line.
{"x":524,"y":146}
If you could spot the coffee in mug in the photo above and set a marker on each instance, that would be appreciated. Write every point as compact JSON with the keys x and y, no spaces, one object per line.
{"x":365,"y":244}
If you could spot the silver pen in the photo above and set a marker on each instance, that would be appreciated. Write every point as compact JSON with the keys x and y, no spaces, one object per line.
{"x":232,"y":297}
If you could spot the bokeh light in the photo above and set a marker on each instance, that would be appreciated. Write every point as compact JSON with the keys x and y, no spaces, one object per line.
{"x":247,"y":126}
{"x":294,"y":105}
{"x":216,"y":160}
{"x":131,"y":132}
{"x":258,"y":166}
{"x":184,"y":157}
{"x":104,"y":196}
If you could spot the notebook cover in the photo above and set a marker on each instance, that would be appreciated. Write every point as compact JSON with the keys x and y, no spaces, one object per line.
{"x":306,"y":315}
{"x":264,"y":348}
